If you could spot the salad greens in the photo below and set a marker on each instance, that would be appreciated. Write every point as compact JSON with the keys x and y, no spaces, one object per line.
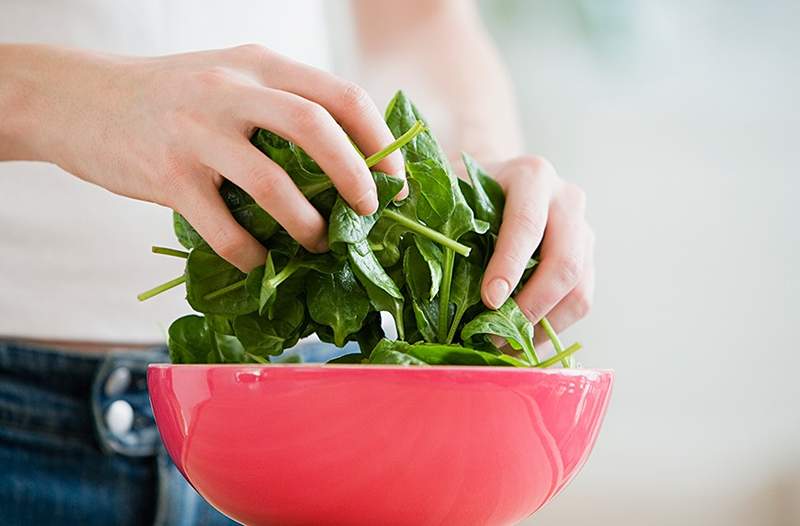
{"x":421,"y":260}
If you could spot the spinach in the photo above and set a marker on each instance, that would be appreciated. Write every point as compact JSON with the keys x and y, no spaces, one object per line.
{"x":421,"y":260}
{"x":508,"y":322}
{"x":338,"y":301}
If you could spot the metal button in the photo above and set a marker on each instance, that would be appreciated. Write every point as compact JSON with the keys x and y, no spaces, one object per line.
{"x":119,"y":418}
{"x":118,"y":381}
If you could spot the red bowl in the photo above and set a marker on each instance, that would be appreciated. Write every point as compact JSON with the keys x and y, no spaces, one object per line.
{"x":337,"y":444}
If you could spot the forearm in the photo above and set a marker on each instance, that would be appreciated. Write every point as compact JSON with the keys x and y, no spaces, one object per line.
{"x":35,"y":95}
{"x":440,"y":52}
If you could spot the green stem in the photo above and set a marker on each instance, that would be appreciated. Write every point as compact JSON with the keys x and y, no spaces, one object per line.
{"x":224,"y":290}
{"x":425,"y":231}
{"x":551,"y":333}
{"x":398,"y":143}
{"x":155,"y":291}
{"x":444,"y":294}
{"x":456,"y":320}
{"x":165,"y":251}
{"x":569,"y":351}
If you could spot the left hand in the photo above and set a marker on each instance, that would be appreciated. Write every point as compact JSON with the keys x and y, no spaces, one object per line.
{"x":542,"y":208}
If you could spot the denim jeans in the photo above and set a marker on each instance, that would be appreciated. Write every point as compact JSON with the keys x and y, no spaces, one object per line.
{"x":78,"y":444}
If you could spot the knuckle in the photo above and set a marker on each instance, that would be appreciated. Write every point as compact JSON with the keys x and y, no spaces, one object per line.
{"x":212,"y":78}
{"x":583,"y":303}
{"x":534,"y":165}
{"x":308,"y":116}
{"x":253,"y":52}
{"x":228,"y":244}
{"x":576,"y":194}
{"x":532,"y":311}
{"x":264,"y":185}
{"x":531,"y":222}
{"x":354,"y":98}
{"x":569,"y":268}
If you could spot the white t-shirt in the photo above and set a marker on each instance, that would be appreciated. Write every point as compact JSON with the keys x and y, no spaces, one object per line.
{"x":73,"y":256}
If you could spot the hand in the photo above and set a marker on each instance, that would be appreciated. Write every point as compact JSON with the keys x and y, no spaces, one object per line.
{"x":542,"y":208}
{"x":169,"y":129}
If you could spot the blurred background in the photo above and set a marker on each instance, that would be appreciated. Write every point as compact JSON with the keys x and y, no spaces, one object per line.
{"x":681,"y":121}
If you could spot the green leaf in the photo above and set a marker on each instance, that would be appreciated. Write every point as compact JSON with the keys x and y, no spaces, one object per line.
{"x":337,"y":301}
{"x":508,"y":322}
{"x":436,"y":201}
{"x":262,"y":336}
{"x":465,"y":292}
{"x":426,"y":315}
{"x":350,"y":358}
{"x":186,"y":234}
{"x":348,"y":227}
{"x":190,"y":340}
{"x":207,"y":273}
{"x":386,"y":354}
{"x":382,"y":291}
{"x":488,"y":197}
{"x":433,"y":256}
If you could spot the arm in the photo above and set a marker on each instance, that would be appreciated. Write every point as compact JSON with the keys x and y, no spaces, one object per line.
{"x":169,"y":129}
{"x":440,"y":49}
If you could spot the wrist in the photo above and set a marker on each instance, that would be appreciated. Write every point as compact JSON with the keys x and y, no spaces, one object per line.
{"x":19,"y":94}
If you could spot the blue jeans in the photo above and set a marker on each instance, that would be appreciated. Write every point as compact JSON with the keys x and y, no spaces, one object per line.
{"x":78,"y":444}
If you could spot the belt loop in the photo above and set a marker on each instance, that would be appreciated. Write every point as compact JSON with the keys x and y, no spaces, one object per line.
{"x":123,"y":417}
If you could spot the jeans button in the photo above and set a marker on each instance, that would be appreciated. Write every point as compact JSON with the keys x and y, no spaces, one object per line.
{"x":119,"y":418}
{"x":118,"y":381}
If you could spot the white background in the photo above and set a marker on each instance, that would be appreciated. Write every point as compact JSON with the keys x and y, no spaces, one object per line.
{"x":681,"y":121}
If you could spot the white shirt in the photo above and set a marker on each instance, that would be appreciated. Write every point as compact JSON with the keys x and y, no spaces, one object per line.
{"x":73,"y":256}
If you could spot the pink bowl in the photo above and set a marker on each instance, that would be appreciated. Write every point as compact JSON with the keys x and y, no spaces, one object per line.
{"x":337,"y":444}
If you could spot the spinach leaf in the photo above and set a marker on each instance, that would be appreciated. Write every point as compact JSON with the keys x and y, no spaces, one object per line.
{"x":508,"y":322}
{"x":206,"y":275}
{"x":433,"y":256}
{"x":348,"y":227}
{"x":338,"y":301}
{"x":466,"y":291}
{"x":488,"y":198}
{"x":261,"y":335}
{"x":381,"y":290}
{"x":190,"y":340}
{"x":436,"y":201}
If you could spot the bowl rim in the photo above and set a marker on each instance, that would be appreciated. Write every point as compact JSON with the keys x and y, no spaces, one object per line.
{"x":493,"y":369}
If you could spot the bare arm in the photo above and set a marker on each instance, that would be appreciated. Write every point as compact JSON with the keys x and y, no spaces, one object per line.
{"x":440,"y":50}
{"x":169,"y":129}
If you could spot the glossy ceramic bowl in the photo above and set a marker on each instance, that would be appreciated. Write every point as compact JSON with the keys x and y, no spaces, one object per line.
{"x":377,"y":445}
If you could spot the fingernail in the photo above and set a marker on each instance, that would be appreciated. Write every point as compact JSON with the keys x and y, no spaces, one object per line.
{"x":403,"y":193}
{"x":497,"y":292}
{"x":368,"y":203}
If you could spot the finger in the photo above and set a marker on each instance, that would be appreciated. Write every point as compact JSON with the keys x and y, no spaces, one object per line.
{"x":349,"y":104}
{"x":524,"y":220}
{"x":309,"y":125}
{"x":561,"y":267}
{"x":269,"y":185}
{"x":576,"y":304}
{"x":204,"y":209}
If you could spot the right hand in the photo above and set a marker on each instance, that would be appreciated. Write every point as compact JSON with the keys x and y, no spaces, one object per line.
{"x":169,"y":129}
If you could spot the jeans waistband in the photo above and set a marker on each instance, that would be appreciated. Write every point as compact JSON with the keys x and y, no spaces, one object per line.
{"x":100,"y":399}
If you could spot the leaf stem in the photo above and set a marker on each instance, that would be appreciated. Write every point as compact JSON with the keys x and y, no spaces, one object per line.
{"x":456,"y":320}
{"x":155,"y":291}
{"x":551,"y":333}
{"x":425,"y":231}
{"x":398,"y":143}
{"x":569,"y":351}
{"x":444,"y":294}
{"x":165,"y":251}
{"x":224,"y":290}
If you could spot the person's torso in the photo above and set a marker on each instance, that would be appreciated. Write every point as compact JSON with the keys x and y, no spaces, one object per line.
{"x":73,"y":256}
